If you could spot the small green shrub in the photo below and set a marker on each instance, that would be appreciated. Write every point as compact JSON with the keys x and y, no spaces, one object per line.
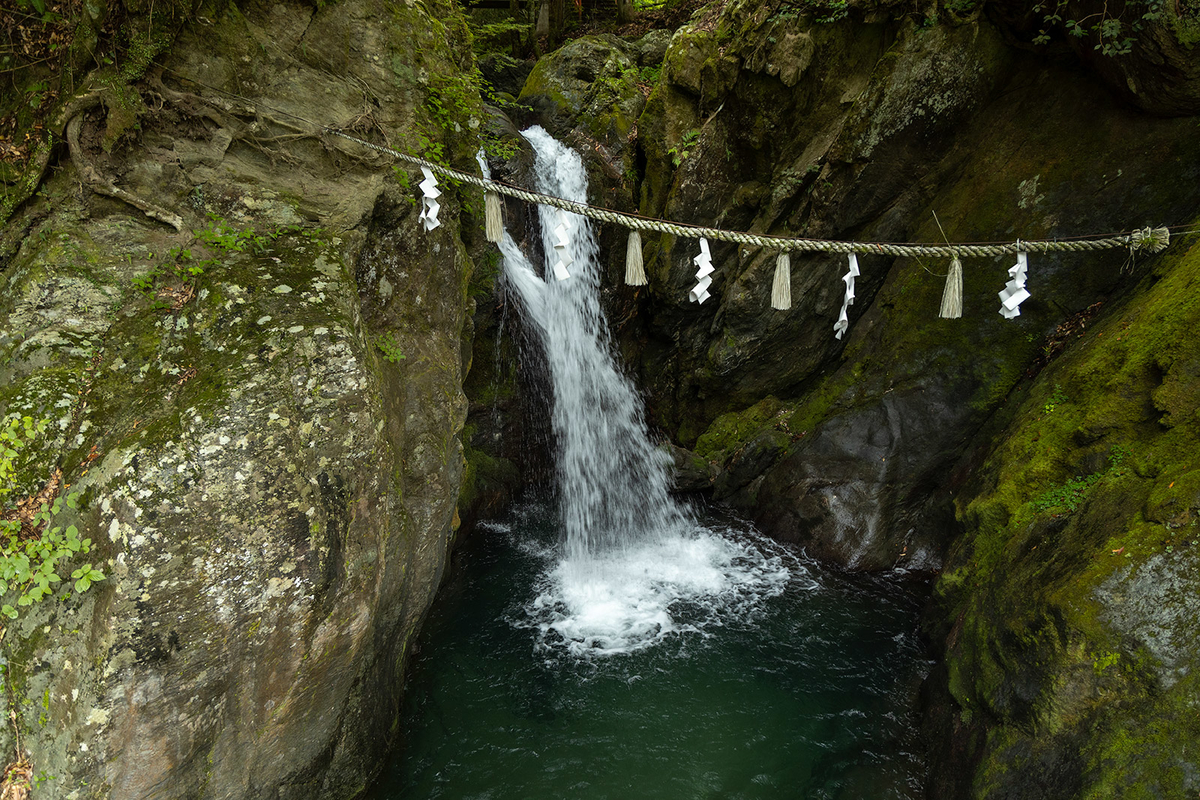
{"x":29,"y":564}
{"x":218,"y":238}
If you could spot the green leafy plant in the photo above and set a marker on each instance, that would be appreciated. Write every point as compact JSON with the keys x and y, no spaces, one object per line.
{"x":500,"y":149}
{"x":450,"y":98}
{"x":38,"y":9}
{"x":15,"y":433}
{"x":681,"y":151}
{"x":1068,"y":496}
{"x":824,"y":11}
{"x":28,"y":566}
{"x":31,"y":553}
{"x":834,"y":11}
{"x":405,"y":181}
{"x":218,"y":237}
{"x":1071,"y":494}
{"x":390,"y":347}
{"x":1114,"y":33}
{"x":36,"y":94}
{"x":1056,"y":400}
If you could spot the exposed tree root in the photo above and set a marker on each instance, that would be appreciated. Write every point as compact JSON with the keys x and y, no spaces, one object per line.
{"x":103,"y":185}
{"x":40,"y":159}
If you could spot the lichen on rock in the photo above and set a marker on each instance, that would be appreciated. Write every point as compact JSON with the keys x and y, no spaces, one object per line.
{"x":271,"y":494}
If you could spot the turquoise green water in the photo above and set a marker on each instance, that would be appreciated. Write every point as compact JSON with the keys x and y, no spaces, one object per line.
{"x":800,"y":690}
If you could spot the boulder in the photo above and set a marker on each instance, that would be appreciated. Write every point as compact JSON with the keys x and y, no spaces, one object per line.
{"x":592,"y":84}
{"x":692,"y":473}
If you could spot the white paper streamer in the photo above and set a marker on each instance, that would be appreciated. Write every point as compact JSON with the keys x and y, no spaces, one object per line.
{"x":703,"y":261}
{"x":429,"y":204}
{"x":843,"y":322}
{"x":699,"y":293}
{"x":562,"y":247}
{"x":1014,"y":292}
{"x":704,"y":269}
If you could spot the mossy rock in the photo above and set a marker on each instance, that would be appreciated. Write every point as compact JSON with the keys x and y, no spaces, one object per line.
{"x":266,"y":436}
{"x":730,"y":431}
{"x":1092,"y":526}
{"x":592,"y":82}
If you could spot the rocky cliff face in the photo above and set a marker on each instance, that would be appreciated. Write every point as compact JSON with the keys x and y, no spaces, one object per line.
{"x":857,"y":130}
{"x":1039,"y":465}
{"x":1069,"y":604}
{"x":835,"y":126}
{"x":258,"y":405}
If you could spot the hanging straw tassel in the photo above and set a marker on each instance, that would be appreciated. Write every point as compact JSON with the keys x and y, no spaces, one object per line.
{"x":952,"y":296}
{"x":635,"y":273}
{"x":781,"y":291}
{"x":493,"y":225}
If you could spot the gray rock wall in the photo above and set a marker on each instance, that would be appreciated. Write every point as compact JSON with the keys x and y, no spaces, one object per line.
{"x":267,"y":452}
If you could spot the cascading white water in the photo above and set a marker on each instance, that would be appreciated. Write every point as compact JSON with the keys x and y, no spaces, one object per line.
{"x":613,"y":483}
{"x":631,"y":555}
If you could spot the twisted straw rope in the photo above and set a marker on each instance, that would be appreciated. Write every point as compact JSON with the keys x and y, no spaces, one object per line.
{"x":1153,"y":239}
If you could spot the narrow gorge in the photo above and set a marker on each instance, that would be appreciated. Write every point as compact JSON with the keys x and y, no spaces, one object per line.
{"x":254,"y":412}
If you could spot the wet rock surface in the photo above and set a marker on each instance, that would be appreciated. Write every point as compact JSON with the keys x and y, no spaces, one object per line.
{"x":767,"y":119}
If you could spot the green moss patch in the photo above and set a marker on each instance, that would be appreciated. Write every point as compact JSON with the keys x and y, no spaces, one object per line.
{"x":1074,"y":587}
{"x":729,"y":432}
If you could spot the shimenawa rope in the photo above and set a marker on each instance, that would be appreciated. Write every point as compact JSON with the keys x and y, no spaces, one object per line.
{"x":1152,"y":239}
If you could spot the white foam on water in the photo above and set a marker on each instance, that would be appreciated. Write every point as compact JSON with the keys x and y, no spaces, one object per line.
{"x":688,"y":583}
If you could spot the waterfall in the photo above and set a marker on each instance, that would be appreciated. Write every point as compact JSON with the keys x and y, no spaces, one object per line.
{"x":612,"y":481}
{"x":630,"y":556}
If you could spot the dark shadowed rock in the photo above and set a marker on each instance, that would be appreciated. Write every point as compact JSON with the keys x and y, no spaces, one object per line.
{"x":853,"y":492}
{"x":692,"y":472}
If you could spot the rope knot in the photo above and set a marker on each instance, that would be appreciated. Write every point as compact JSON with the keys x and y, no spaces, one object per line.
{"x":1153,"y":239}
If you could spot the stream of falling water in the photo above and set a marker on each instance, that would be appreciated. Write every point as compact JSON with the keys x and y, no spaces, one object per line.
{"x":612,"y":643}
{"x":630,"y":553}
